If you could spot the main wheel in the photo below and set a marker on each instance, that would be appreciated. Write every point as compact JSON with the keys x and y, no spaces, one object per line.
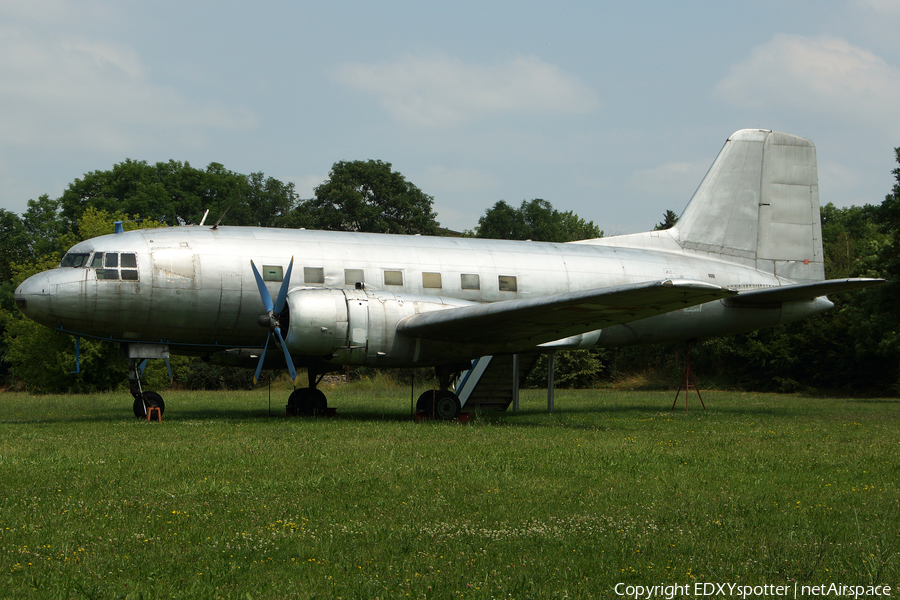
{"x":316,"y":402}
{"x":425,"y":403}
{"x":307,"y":401}
{"x":446,"y":406}
{"x":439,"y":404}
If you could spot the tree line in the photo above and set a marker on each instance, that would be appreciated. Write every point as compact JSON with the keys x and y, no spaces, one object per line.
{"x":853,"y":348}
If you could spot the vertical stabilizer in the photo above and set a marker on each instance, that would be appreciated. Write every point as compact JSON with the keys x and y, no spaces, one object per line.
{"x":759,"y":205}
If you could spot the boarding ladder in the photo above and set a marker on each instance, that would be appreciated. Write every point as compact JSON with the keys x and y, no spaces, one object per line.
{"x":489,"y":383}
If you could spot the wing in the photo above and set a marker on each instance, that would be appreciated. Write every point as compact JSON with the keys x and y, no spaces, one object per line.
{"x":547,"y":318}
{"x":804,"y":291}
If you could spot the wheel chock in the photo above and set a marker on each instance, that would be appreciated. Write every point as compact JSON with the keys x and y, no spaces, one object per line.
{"x":154,"y":410}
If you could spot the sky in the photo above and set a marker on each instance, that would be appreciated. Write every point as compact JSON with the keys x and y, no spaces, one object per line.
{"x":612,"y":110}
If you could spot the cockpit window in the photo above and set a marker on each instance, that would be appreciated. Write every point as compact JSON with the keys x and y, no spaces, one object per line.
{"x":129,"y":266}
{"x":112,"y":265}
{"x":75,"y":259}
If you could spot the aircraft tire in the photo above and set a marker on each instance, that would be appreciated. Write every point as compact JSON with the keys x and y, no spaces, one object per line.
{"x":139,"y":411}
{"x":153,"y":399}
{"x":317,"y":402}
{"x":439,"y":404}
{"x":446,"y":406}
{"x":425,"y":403}
{"x":307,"y":402}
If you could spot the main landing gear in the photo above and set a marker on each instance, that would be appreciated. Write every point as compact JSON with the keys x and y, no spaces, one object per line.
{"x":308,"y":401}
{"x":441,"y":403}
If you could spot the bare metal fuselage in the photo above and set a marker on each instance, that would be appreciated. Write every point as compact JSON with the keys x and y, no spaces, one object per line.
{"x":194,"y":290}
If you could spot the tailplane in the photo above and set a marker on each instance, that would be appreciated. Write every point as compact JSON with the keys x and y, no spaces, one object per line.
{"x":759,"y":205}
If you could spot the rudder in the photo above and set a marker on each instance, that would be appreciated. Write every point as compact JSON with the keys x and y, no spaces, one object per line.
{"x":759,"y":205}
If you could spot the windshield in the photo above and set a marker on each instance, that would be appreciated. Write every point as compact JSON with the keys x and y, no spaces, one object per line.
{"x":75,"y":259}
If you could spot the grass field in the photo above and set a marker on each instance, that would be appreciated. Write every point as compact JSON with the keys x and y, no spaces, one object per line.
{"x":221,"y":500}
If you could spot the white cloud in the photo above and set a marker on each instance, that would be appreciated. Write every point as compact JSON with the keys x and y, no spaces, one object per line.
{"x":76,"y":92}
{"x":441,"y":91}
{"x":826,"y":76}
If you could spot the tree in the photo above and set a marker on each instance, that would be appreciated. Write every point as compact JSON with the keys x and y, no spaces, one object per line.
{"x":15,"y":243}
{"x":502,"y":222}
{"x":876,"y":315}
{"x":669,"y":220}
{"x":577,"y":228}
{"x":368,"y":196}
{"x":534,"y":220}
{"x":175,"y":193}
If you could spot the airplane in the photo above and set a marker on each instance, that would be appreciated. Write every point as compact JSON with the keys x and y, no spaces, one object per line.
{"x":746,"y":253}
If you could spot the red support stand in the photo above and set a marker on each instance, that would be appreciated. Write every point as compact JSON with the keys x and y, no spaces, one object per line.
{"x":688,"y":382}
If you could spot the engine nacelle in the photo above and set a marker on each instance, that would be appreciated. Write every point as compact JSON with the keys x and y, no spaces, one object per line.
{"x":355,"y":326}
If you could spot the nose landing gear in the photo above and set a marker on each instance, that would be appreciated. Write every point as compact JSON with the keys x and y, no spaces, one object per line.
{"x":138,"y":354}
{"x":148,"y":401}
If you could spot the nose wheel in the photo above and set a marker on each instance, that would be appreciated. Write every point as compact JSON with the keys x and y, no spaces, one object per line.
{"x":149,"y":400}
{"x":143,"y":401}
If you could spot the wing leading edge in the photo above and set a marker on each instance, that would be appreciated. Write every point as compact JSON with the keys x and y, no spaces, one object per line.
{"x":544,"y":319}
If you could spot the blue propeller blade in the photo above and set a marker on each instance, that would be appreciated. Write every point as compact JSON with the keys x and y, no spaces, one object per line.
{"x":263,"y":290}
{"x":282,"y":293}
{"x":287,"y":356}
{"x":262,"y":359}
{"x":274,"y":310}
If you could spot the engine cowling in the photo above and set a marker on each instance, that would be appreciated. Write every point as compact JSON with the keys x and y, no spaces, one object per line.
{"x":355,"y":326}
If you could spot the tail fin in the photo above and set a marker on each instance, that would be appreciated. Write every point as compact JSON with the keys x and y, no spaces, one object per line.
{"x":759,"y":205}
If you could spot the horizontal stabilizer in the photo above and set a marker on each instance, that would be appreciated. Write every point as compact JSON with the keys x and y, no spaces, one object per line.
{"x":804,"y":291}
{"x":533,"y":321}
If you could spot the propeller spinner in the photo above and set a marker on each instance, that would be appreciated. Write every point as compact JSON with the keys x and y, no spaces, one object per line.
{"x":271,"y":319}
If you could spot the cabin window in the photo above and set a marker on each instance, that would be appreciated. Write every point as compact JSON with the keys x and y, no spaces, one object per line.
{"x":272,"y":273}
{"x":313,"y":275}
{"x":431,"y":280}
{"x":508,"y":283}
{"x":75,"y":259}
{"x":470,"y":281}
{"x":353,"y":276}
{"x":393,"y":278}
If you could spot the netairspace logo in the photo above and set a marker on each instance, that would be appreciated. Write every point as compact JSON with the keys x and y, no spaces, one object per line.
{"x":736,"y":590}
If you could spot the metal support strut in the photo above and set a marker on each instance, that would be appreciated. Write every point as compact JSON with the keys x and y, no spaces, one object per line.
{"x":688,"y":382}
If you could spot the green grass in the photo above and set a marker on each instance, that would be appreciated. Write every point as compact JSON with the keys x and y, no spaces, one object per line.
{"x":221,"y":500}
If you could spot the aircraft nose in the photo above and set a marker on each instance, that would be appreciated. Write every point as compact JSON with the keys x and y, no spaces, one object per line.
{"x":33,"y":297}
